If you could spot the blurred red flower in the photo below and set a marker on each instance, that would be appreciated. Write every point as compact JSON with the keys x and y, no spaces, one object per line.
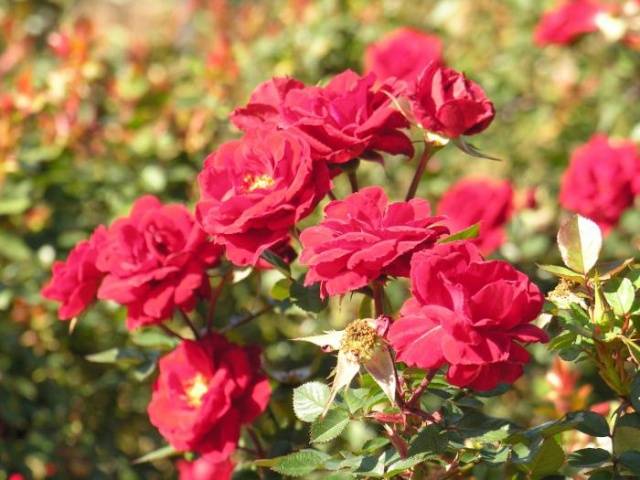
{"x":402,"y":54}
{"x":75,"y":281}
{"x":488,"y":202}
{"x":253,"y":190}
{"x":347,"y":119}
{"x":206,"y":390}
{"x":568,"y":21}
{"x":467,"y":313}
{"x":445,"y":102}
{"x":155,"y":261}
{"x":602,"y":180}
{"x":205,"y":469}
{"x":364,"y":237}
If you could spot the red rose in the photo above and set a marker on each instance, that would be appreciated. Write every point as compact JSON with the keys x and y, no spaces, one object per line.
{"x":485,"y":201}
{"x":568,"y":21}
{"x":402,"y":54}
{"x":253,"y":190}
{"x":155,"y":261}
{"x":205,"y":469}
{"x":364,"y":237}
{"x":602,"y":180}
{"x":75,"y":282}
{"x":205,"y":392}
{"x":347,"y":119}
{"x":445,"y":102}
{"x":468,"y":313}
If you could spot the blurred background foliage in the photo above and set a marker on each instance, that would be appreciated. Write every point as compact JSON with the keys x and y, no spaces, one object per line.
{"x":102,"y":101}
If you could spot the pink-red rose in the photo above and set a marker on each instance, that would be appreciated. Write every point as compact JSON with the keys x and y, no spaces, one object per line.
{"x":205,"y":469}
{"x":254,"y":190}
{"x":602,"y":180}
{"x":467,"y":313}
{"x":155,"y":262}
{"x":206,"y":390}
{"x":483,"y":201}
{"x":402,"y":54}
{"x":445,"y":102}
{"x":364,"y":237}
{"x":568,"y":21}
{"x":75,"y":281}
{"x":350,"y":117}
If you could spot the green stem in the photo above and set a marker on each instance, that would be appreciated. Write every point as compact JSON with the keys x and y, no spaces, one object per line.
{"x":353,"y":181}
{"x":427,"y":153}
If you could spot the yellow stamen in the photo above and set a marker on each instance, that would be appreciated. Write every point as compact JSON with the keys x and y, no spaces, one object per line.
{"x":196,"y":390}
{"x":360,"y":341}
{"x":258,"y":182}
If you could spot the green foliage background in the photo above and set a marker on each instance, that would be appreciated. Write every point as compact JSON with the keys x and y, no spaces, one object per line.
{"x":150,"y":106}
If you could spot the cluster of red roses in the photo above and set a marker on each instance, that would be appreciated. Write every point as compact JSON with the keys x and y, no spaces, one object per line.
{"x":467,"y":313}
{"x":574,"y":18}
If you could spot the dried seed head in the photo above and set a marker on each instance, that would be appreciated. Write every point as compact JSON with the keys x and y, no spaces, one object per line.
{"x":360,"y":341}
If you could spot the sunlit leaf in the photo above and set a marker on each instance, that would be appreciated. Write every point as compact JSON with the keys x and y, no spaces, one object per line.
{"x":580,"y":241}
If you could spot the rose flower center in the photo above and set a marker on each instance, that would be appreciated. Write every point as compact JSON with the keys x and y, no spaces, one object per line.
{"x":253,"y":182}
{"x":360,"y":340}
{"x":197,"y":389}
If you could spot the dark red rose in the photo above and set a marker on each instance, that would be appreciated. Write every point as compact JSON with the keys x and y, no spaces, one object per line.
{"x":445,"y":102}
{"x":205,"y":469}
{"x":364,"y":237}
{"x":402,"y":54}
{"x":206,"y":390}
{"x":155,"y":261}
{"x":254,"y":190}
{"x":602,"y":180}
{"x":467,"y":313}
{"x":75,"y":282}
{"x":479,"y":200}
{"x":351,"y":117}
{"x":568,"y":21}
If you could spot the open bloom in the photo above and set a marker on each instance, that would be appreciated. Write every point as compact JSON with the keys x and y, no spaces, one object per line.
{"x":467,"y":313}
{"x":568,"y":21}
{"x":350,"y":117}
{"x":482,"y":201}
{"x":253,"y":190}
{"x":204,"y":469}
{"x":602,"y":180}
{"x":402,"y":54}
{"x":155,"y":261}
{"x":75,"y":281}
{"x":364,"y":237}
{"x":445,"y":102}
{"x":359,"y":345}
{"x":206,"y":390}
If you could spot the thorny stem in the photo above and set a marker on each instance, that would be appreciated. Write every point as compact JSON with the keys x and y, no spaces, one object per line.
{"x":248,"y":318}
{"x":215,"y":295}
{"x":188,"y":321}
{"x":170,"y":332}
{"x":417,"y":176}
{"x":353,"y":181}
{"x":378,"y":296}
{"x":417,"y":393}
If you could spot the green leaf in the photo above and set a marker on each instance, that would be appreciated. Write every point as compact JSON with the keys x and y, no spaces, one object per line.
{"x":307,"y":298}
{"x":153,"y":338}
{"x":547,"y":460}
{"x":607,"y":270}
{"x":309,"y":400}
{"x":562,"y":272}
{"x":405,"y":464}
{"x":13,"y":206}
{"x":280,"y":290}
{"x":329,"y":427}
{"x":275,"y":260}
{"x":13,"y":247}
{"x":620,"y":295}
{"x":470,"y":232}
{"x":164,"y":452}
{"x":579,"y":241}
{"x":300,"y":463}
{"x":145,"y":370}
{"x":589,"y":457}
{"x":631,"y":460}
{"x":471,"y":150}
{"x":116,"y":355}
{"x":356,"y":398}
{"x":591,"y":423}
{"x":428,"y":440}
{"x":626,"y":433}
